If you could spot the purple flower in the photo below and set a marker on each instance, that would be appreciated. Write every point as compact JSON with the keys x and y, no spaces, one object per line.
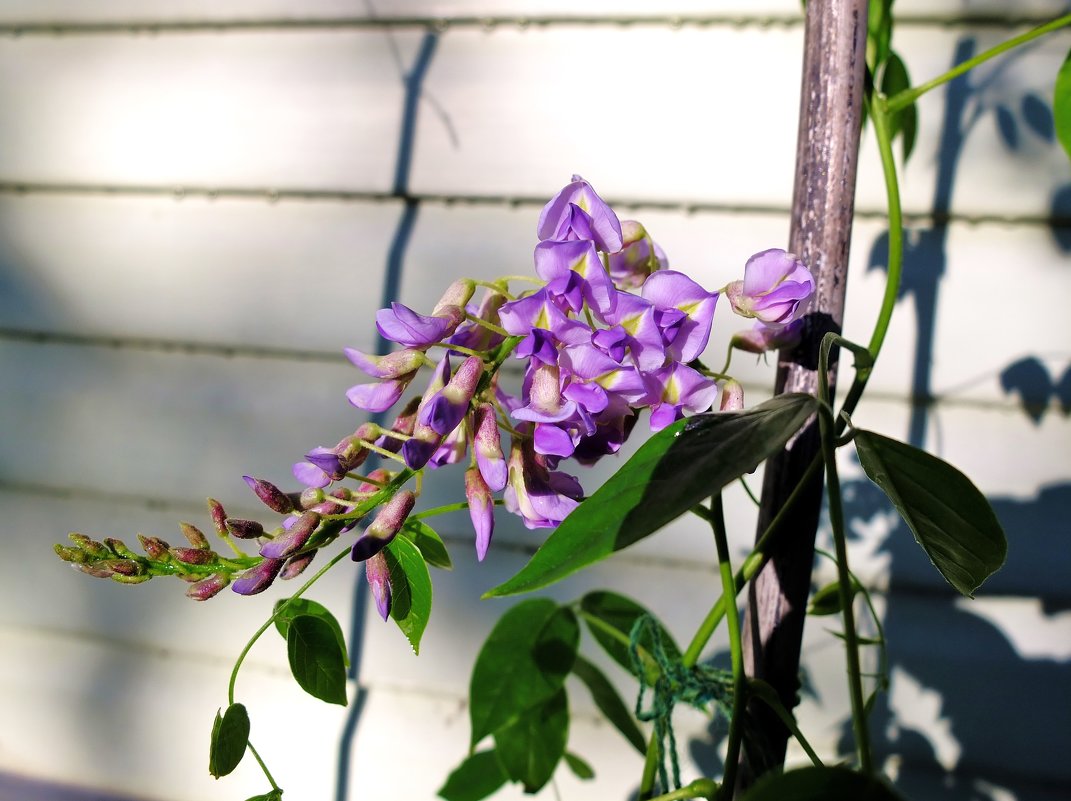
{"x":542,"y":498}
{"x":680,"y":389}
{"x":546,"y":404}
{"x":293,"y":539}
{"x":577,"y":212}
{"x":401,"y":324}
{"x":560,"y":263}
{"x":777,"y":288}
{"x":452,"y":449}
{"x":257,"y":578}
{"x":687,"y":312}
{"x":444,"y":411}
{"x":635,"y":323}
{"x":538,"y":316}
{"x":377,"y":572}
{"x":394,"y":365}
{"x":487,"y":445}
{"x":385,"y":527}
{"x":481,"y":510}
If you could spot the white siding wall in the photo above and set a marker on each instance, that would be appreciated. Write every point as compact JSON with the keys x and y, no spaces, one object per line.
{"x":197,"y":203}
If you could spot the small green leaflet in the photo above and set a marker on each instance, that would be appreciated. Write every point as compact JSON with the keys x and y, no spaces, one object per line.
{"x":273,"y":795}
{"x":580,"y":768}
{"x":301,"y":606}
{"x":1061,"y":105}
{"x":821,"y":784}
{"x":410,"y":588}
{"x":474,"y":779}
{"x":609,"y":703}
{"x":531,"y":747}
{"x":523,"y":662}
{"x":905,"y":122}
{"x":316,"y":660}
{"x":230,"y":735}
{"x":950,"y":518}
{"x":428,"y":542}
{"x":674,"y":470}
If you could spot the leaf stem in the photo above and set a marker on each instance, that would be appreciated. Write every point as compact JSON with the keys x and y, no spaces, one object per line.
{"x":256,"y":636}
{"x":700,"y":788}
{"x":728,"y":590}
{"x":263,"y":767}
{"x":844,"y":579}
{"x":905,"y":98}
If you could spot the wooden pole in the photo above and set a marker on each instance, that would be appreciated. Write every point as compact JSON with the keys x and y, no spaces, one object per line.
{"x":822,"y":210}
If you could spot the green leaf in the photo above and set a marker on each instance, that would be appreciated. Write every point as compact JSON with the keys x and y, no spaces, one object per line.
{"x":580,"y":768}
{"x":615,"y":615}
{"x":274,"y":795}
{"x":674,"y":470}
{"x":230,"y":735}
{"x":1061,"y":105}
{"x":315,"y":659}
{"x":609,"y":703}
{"x":531,"y":747}
{"x":410,"y":588}
{"x":302,"y":606}
{"x":523,"y":662}
{"x":428,"y":542}
{"x":950,"y":518}
{"x":879,"y":33}
{"x":821,"y":784}
{"x":904,"y":123}
{"x":475,"y":778}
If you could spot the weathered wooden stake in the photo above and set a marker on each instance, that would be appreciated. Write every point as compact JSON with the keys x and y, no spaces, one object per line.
{"x":822,"y":209}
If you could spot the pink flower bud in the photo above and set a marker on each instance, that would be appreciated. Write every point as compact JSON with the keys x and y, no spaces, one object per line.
{"x":457,"y":295}
{"x":481,"y":510}
{"x":272,"y":497}
{"x":293,"y":539}
{"x":154,"y":547}
{"x":244,"y":529}
{"x":207,"y":588}
{"x":296,"y":565}
{"x":388,"y":522}
{"x":192,"y":556}
{"x":194,"y":536}
{"x":487,"y":444}
{"x":377,"y":573}
{"x":732,"y":396}
{"x":257,"y":578}
{"x":403,"y":424}
{"x":219,"y":517}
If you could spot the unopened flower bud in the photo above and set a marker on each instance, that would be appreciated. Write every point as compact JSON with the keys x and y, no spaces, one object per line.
{"x":119,"y":548}
{"x":207,"y":588}
{"x":97,"y":550}
{"x":122,"y":567}
{"x":194,"y":536}
{"x":481,"y":510}
{"x":392,"y":366}
{"x":74,"y":555}
{"x":257,"y":578}
{"x":219,"y":517}
{"x":94,"y":570}
{"x":296,"y":565}
{"x":388,"y":522}
{"x":446,"y":409}
{"x":193,"y":556}
{"x":244,"y":529}
{"x":732,"y":395}
{"x":377,"y":573}
{"x":403,"y":424}
{"x":293,"y":539}
{"x":457,"y":295}
{"x":271,"y":496}
{"x":487,"y":443}
{"x":123,"y":579}
{"x":154,"y":547}
{"x":311,"y":496}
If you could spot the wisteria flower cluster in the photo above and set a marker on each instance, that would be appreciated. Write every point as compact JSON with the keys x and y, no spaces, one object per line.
{"x":607,"y":332}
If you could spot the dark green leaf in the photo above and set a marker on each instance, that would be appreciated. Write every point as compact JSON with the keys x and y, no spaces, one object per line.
{"x":673,"y":471}
{"x":230,"y":735}
{"x":274,"y":795}
{"x":609,"y":702}
{"x":904,"y":123}
{"x":410,"y":587}
{"x":580,"y":768}
{"x":879,"y":33}
{"x":315,"y":659}
{"x":612,"y":629}
{"x":1061,"y":105}
{"x":950,"y":518}
{"x":302,"y":606}
{"x":475,"y":778}
{"x":429,"y":543}
{"x":821,"y":784}
{"x":531,"y":746}
{"x":524,"y":662}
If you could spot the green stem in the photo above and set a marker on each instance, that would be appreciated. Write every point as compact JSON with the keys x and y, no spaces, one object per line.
{"x":700,"y":788}
{"x":836,"y":523}
{"x":263,"y":767}
{"x":905,"y":98}
{"x":765,"y":693}
{"x":728,"y":590}
{"x":445,"y":508}
{"x":252,"y":640}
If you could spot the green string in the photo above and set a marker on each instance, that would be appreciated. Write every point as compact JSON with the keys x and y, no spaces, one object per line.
{"x":696,"y":686}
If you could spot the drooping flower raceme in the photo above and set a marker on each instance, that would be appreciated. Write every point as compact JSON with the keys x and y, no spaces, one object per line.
{"x":607,"y":332}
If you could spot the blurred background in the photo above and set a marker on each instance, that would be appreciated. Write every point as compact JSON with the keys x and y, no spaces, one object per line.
{"x":202,"y":202}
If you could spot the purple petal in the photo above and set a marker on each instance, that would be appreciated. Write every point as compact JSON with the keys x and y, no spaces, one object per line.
{"x":257,"y":578}
{"x":310,"y":475}
{"x":556,"y":218}
{"x":377,"y":573}
{"x":376,"y":397}
{"x":401,"y":324}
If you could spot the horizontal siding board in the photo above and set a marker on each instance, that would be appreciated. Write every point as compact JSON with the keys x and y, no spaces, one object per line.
{"x":268,"y":110}
{"x":170,"y":10}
